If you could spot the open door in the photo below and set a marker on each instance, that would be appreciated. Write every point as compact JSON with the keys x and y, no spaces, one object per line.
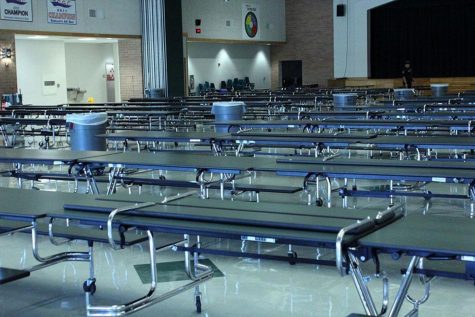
{"x":291,"y":74}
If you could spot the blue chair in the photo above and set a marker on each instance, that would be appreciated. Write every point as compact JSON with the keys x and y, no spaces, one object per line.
{"x":235,"y":83}
{"x":200,"y":89}
{"x":248,"y":84}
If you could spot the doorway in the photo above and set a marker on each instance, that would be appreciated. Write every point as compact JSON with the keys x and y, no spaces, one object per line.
{"x":72,"y":69}
{"x":291,"y":74}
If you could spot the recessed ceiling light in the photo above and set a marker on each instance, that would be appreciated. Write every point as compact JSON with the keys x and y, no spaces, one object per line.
{"x":87,"y":39}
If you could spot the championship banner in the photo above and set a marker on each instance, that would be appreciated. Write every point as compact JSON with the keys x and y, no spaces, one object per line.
{"x":16,"y":10}
{"x":250,"y":25}
{"x":62,"y":12}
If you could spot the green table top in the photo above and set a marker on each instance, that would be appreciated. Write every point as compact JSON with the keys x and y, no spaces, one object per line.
{"x":437,"y":235}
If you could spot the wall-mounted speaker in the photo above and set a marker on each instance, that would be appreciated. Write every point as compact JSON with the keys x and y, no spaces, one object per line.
{"x":340,"y":10}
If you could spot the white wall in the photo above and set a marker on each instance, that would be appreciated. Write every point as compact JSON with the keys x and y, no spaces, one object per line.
{"x":214,"y":13}
{"x":235,"y":60}
{"x":85,"y":69}
{"x":35,"y":60}
{"x":351,"y":37}
{"x":119,"y":17}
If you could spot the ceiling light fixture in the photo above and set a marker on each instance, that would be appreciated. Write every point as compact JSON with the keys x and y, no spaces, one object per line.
{"x":37,"y":37}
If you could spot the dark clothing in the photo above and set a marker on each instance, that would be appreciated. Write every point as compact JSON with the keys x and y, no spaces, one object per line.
{"x":407,"y":75}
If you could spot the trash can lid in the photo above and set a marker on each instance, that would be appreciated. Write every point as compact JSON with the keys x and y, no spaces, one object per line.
{"x":228,"y":104}
{"x":94,"y":118}
{"x":346,"y":95}
{"x":402,"y":89}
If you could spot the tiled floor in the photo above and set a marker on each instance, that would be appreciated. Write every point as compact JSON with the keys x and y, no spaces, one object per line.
{"x":249,"y":287}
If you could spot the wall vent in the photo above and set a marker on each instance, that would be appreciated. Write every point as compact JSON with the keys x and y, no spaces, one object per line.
{"x":92,"y":13}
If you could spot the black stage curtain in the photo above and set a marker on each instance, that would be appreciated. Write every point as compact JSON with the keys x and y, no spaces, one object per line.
{"x":437,"y":36}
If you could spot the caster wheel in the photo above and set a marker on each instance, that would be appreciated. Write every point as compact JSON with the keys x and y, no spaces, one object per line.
{"x":354,"y":187}
{"x":89,"y":288}
{"x":176,"y":144}
{"x":198,"y":304}
{"x":292,"y":256}
{"x":162,"y":178}
{"x":395,"y":256}
{"x":319,"y":202}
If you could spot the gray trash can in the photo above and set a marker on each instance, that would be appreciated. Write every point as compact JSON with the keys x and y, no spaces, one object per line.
{"x":345,"y":102}
{"x":84,"y":127}
{"x":403,"y":93}
{"x":227,"y":111}
{"x":155,"y":93}
{"x":439,"y":90}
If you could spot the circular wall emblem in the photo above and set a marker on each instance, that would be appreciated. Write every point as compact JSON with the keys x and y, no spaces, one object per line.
{"x":250,"y":23}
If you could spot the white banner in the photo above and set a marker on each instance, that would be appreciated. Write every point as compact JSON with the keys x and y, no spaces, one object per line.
{"x":250,"y":22}
{"x":62,"y":12}
{"x":16,"y":10}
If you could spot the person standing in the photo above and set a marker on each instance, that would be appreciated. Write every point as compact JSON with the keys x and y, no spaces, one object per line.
{"x":407,"y":75}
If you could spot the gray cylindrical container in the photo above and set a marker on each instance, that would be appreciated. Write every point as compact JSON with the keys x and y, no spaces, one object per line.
{"x":342,"y":102}
{"x":439,"y":90}
{"x":156,"y":93}
{"x":225,"y":112}
{"x":83,"y":131}
{"x":403,"y":93}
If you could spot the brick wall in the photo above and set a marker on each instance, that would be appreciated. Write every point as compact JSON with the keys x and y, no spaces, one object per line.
{"x":309,"y":38}
{"x":8,"y":83}
{"x":130,"y":61}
